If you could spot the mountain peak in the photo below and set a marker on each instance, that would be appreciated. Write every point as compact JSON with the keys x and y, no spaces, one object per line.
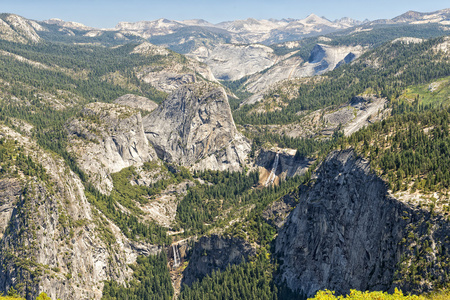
{"x":69,"y":24}
{"x":315,"y":19}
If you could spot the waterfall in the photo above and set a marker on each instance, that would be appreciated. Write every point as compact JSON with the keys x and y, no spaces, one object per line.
{"x":271,"y":177}
{"x":176,"y":256}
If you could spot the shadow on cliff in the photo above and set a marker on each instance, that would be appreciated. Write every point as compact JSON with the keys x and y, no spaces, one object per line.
{"x":348,"y":232}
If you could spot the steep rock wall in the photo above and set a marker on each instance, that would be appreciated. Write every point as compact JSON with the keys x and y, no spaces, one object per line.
{"x":288,"y":164}
{"x":107,"y":138}
{"x":194,"y":127}
{"x":347,"y":232}
{"x":53,"y":240}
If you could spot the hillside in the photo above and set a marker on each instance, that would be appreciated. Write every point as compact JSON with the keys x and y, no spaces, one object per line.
{"x":245,"y":171}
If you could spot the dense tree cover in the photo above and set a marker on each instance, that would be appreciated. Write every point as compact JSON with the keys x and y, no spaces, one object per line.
{"x":78,"y":70}
{"x":386,"y":71}
{"x":305,"y":146}
{"x":249,"y":280}
{"x":226,"y":193}
{"x":129,"y":224}
{"x":411,"y":147}
{"x":51,"y":135}
{"x":13,"y":295}
{"x":27,"y":82}
{"x":236,"y":87}
{"x":107,"y":38}
{"x":204,"y":202}
{"x":126,"y":194}
{"x":151,"y":280}
{"x":252,"y":226}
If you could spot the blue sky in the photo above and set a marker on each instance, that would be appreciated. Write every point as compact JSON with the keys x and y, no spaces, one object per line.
{"x":106,"y":14}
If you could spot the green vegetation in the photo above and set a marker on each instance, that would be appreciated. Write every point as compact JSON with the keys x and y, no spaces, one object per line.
{"x":203,"y":203}
{"x":151,"y":280}
{"x":129,"y":224}
{"x":411,"y":150}
{"x":397,"y":295}
{"x":412,"y":147}
{"x":126,"y":194}
{"x":249,"y":280}
{"x":236,"y":87}
{"x":435,"y":93}
{"x":12,"y":295}
{"x":76,"y":73}
{"x":108,"y":38}
{"x":386,"y":71}
{"x":305,"y":146}
{"x":369,"y":35}
{"x":13,"y":160}
{"x":78,"y":70}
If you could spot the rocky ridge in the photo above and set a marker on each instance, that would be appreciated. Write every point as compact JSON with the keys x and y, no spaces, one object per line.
{"x":232,"y":62}
{"x":288,"y":165}
{"x":15,"y":28}
{"x":136,"y":102}
{"x":53,"y":239}
{"x":106,"y":139}
{"x":348,"y":232}
{"x":194,"y":127}
{"x":323,"y":58}
{"x":173,"y":70}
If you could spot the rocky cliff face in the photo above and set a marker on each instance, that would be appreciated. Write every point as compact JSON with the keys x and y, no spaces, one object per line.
{"x":136,"y":102}
{"x":288,"y":165}
{"x":194,"y":127}
{"x":323,"y":58}
{"x":172,"y":70}
{"x":53,"y":240}
{"x":215,"y":253}
{"x":107,"y":138}
{"x":347,"y":232}
{"x":18,"y":29}
{"x":232,"y":62}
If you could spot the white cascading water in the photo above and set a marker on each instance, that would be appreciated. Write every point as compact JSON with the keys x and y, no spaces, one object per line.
{"x":271,"y":177}
{"x":176,"y":256}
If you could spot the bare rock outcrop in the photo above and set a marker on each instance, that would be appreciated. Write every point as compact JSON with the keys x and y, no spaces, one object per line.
{"x":54,"y":241}
{"x":194,"y":127}
{"x":348,"y":232}
{"x":323,"y":58}
{"x":107,"y":138}
{"x":232,"y":62}
{"x":136,"y":102}
{"x":172,"y":70}
{"x":18,"y":29}
{"x":288,"y":165}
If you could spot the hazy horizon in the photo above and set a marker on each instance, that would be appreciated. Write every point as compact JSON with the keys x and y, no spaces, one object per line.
{"x":106,"y":14}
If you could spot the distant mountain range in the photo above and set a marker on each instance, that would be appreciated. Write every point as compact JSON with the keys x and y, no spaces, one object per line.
{"x":186,"y":36}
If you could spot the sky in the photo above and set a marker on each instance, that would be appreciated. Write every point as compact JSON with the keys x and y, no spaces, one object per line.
{"x":107,"y":13}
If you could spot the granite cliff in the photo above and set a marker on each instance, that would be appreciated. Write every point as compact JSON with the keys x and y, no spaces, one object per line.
{"x":52,"y":238}
{"x":347,"y":232}
{"x":106,"y":138}
{"x":194,"y":127}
